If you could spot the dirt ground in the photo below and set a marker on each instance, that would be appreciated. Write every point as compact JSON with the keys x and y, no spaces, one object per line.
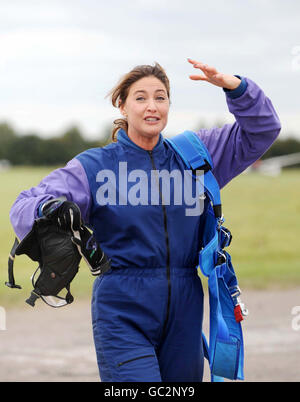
{"x":45,"y":344}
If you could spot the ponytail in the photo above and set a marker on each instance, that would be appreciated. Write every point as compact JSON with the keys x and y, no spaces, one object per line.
{"x":119,"y":124}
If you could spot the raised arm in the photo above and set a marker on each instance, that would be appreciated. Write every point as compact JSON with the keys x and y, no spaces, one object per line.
{"x":234,"y":147}
{"x":69,"y":181}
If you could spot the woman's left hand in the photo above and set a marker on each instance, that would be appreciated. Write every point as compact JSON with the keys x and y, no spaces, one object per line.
{"x":213,"y":76}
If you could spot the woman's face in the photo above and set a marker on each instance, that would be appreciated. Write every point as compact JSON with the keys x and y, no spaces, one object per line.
{"x":146,"y":108}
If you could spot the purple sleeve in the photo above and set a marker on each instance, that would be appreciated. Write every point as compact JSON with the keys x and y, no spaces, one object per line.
{"x":70,"y":181}
{"x":236,"y":146}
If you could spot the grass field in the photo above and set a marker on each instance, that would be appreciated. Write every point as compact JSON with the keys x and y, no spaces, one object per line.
{"x":262,"y":212}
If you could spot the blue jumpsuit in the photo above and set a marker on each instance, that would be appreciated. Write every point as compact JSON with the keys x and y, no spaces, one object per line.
{"x":147,"y":311}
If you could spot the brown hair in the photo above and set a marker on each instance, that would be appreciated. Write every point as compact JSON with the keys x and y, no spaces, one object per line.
{"x":120,"y":92}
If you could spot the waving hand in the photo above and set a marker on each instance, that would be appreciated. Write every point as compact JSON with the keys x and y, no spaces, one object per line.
{"x":211,"y":75}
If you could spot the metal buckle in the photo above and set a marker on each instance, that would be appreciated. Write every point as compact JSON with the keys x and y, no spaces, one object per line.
{"x":220,"y":222}
{"x":228,"y":236}
{"x":221,"y":258}
{"x":237,"y":301}
{"x":237,"y":291}
{"x":245,"y":311}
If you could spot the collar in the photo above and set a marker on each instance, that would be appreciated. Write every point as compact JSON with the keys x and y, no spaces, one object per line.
{"x":124,"y":139}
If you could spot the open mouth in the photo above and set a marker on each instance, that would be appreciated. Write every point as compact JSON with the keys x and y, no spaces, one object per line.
{"x":151,"y":119}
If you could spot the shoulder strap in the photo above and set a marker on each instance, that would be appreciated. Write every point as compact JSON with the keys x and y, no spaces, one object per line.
{"x":192,"y":150}
{"x":196,"y":157}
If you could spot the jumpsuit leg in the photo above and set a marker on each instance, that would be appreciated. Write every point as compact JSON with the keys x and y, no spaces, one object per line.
{"x":127,"y":319}
{"x":180,"y":355}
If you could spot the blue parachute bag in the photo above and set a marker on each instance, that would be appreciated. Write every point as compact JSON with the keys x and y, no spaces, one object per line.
{"x":225,"y":351}
{"x":226,"y":347}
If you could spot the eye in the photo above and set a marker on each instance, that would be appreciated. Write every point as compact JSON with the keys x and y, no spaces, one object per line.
{"x":140,"y":98}
{"x":161,"y":98}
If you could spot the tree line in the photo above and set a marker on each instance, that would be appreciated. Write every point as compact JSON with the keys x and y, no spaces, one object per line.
{"x":33,"y":150}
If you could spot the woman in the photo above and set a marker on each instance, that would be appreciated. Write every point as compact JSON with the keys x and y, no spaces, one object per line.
{"x":147,"y":310}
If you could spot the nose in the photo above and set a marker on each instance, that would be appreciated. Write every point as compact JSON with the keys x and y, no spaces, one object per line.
{"x":151,"y":107}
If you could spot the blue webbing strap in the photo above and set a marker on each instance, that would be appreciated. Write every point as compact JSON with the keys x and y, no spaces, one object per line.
{"x":193,"y":159}
{"x":194,"y":154}
{"x":211,"y":185}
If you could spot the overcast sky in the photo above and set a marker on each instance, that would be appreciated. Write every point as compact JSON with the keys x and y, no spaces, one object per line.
{"x":59,"y":58}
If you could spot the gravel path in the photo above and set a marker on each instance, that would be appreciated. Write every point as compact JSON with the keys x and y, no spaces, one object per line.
{"x":44,"y":344}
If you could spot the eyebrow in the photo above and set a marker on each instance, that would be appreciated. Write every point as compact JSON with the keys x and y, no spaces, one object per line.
{"x":143,"y":91}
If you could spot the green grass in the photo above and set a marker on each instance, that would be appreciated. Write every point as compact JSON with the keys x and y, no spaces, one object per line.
{"x":262,"y":212}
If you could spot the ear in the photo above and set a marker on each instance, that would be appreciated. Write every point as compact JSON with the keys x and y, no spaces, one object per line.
{"x":123,"y":110}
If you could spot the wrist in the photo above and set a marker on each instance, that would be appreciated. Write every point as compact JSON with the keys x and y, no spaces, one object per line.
{"x":50,"y":206}
{"x":239,"y":90}
{"x":234,"y":83}
{"x":46,"y":208}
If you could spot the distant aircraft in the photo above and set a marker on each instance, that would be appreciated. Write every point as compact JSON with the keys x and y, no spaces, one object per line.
{"x":273,"y":166}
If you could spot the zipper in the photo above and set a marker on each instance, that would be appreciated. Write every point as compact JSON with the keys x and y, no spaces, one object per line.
{"x":167,"y":246}
{"x":135,"y":358}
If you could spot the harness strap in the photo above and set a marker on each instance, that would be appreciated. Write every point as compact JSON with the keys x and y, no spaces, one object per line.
{"x":196,"y":157}
{"x":192,"y":158}
{"x":11,"y":258}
